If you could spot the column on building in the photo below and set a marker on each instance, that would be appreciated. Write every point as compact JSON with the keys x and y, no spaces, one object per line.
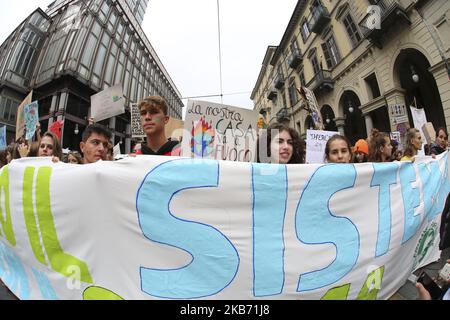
{"x":112,"y":126}
{"x":340,"y":124}
{"x":394,"y":97}
{"x":128,"y":140}
{"x":442,"y":75}
{"x":369,"y":124}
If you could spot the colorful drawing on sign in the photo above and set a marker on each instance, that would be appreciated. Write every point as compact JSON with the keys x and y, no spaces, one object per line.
{"x":31,"y":112}
{"x":3,"y":144}
{"x":116,"y":98}
{"x":57,"y":128}
{"x":202,"y":142}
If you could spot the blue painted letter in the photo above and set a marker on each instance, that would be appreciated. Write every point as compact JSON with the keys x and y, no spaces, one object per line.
{"x":214,"y":259}
{"x":411,"y":200}
{"x":384,"y":175}
{"x":270,"y":196}
{"x":315,"y":224}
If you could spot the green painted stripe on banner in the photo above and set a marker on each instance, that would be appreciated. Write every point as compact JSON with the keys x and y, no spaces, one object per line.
{"x":7,"y":222}
{"x":28,"y":212}
{"x":60,"y":261}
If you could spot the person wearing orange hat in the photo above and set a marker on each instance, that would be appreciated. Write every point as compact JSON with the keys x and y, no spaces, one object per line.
{"x":360,"y":151}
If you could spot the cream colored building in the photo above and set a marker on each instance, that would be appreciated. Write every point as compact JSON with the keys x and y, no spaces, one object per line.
{"x":367,"y":61}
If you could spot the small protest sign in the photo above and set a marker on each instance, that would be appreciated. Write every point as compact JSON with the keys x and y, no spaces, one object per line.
{"x":20,"y":122}
{"x":221,"y":132}
{"x":316,"y":140}
{"x":31,"y":113}
{"x":136,"y":127}
{"x":108,"y":103}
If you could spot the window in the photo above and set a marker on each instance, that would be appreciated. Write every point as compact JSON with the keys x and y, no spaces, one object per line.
{"x":352,"y":31}
{"x":302,"y":78}
{"x":372,"y":83}
{"x":304,"y":30}
{"x":331,"y":52}
{"x":293,"y":98}
{"x":315,"y":64}
{"x":280,"y":73}
{"x":294,"y":47}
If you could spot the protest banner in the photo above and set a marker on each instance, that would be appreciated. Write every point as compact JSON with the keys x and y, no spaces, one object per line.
{"x":221,"y":132}
{"x":316,"y":141}
{"x":31,"y":113}
{"x":310,"y":104}
{"x":3,"y":143}
{"x":20,"y":121}
{"x":136,"y":127}
{"x":108,"y":103}
{"x":154,"y":227}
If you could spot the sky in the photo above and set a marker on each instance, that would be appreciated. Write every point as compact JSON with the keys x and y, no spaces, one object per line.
{"x":184,"y":34}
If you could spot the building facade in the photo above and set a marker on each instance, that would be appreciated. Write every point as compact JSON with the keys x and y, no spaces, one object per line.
{"x":367,"y":61}
{"x":73,"y":50}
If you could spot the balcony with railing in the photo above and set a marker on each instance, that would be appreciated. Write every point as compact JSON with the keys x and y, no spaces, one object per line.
{"x":384,"y":15}
{"x":279,"y":82}
{"x":272,"y":94}
{"x":283,"y":115}
{"x":322,"y":82}
{"x":295,"y":59}
{"x":319,"y":19}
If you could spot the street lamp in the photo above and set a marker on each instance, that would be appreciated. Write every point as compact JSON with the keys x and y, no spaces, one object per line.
{"x":415,"y":76}
{"x":350,"y":107}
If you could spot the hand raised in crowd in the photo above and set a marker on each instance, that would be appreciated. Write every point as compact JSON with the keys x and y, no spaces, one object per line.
{"x":91,"y":121}
{"x":23,"y":149}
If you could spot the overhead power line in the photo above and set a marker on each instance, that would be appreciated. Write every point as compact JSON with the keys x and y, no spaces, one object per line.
{"x":217,"y":95}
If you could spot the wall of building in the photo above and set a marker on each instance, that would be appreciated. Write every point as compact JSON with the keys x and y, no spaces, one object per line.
{"x":359,"y":59}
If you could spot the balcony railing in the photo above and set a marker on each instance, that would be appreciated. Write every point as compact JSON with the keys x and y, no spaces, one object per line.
{"x":279,"y":82}
{"x":272,"y":94}
{"x":295,"y":59}
{"x":283,"y":115}
{"x":322,"y":81}
{"x":320,"y":17}
{"x":385,"y":14}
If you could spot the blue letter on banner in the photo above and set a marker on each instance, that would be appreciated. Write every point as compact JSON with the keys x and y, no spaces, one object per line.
{"x":269,"y":200}
{"x":384,"y":175}
{"x":214,"y":259}
{"x":315,"y":224}
{"x":411,"y":200}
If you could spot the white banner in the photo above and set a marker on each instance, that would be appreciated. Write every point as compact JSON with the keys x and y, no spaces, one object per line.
{"x":316,"y":141}
{"x":108,"y":103}
{"x":176,"y":228}
{"x":221,"y":132}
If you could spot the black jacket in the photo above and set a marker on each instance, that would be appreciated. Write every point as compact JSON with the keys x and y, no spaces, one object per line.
{"x":165,"y":150}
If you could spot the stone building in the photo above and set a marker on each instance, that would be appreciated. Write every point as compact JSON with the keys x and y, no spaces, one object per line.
{"x":367,"y":62}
